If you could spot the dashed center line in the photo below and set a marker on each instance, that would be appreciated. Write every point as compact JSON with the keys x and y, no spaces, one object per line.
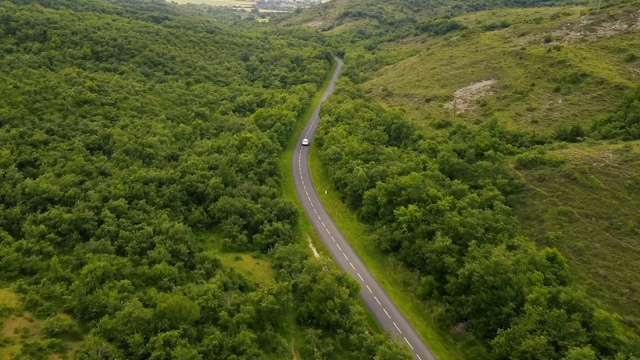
{"x":377,"y":300}
{"x":345,"y":256}
{"x":408,"y":343}
{"x":361,"y":279}
{"x":339,"y":248}
{"x":385,"y":311}
{"x":397,"y":328}
{"x":353,"y":267}
{"x":368,"y":288}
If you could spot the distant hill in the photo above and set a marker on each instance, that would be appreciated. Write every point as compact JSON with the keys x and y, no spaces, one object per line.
{"x":340,"y":12}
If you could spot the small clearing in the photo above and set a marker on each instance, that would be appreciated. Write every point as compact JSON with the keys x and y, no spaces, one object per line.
{"x":466,"y":97}
{"x":8,"y":298}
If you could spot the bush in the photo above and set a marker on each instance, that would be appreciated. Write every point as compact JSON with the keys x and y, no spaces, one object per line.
{"x":573,"y":134}
{"x":496,"y":26}
{"x":61,"y":326}
{"x":439,"y":27}
{"x":630,"y":57}
{"x":531,"y":160}
{"x":441,"y":124}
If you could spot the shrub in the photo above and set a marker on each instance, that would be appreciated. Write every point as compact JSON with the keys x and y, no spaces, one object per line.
{"x":441,"y":123}
{"x":573,"y":134}
{"x":531,"y":160}
{"x":61,"y":326}
{"x":496,"y":26}
{"x":630,"y":57}
{"x":439,"y":27}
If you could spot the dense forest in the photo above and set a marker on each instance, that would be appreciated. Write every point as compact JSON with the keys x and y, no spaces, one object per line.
{"x":127,"y":129}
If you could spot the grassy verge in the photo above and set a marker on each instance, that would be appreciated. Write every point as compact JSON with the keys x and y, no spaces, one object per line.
{"x":394,"y":278}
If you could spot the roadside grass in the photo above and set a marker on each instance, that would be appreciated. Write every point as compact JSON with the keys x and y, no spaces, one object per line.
{"x":539,"y":86}
{"x":588,"y":208}
{"x":398,"y":281}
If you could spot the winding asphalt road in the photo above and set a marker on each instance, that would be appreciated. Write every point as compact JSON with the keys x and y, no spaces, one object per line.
{"x":374,"y":297}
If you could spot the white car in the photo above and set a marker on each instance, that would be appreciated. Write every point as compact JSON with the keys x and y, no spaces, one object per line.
{"x":305,"y":142}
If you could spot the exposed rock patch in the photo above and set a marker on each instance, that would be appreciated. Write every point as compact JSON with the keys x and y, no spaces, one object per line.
{"x":465,"y":98}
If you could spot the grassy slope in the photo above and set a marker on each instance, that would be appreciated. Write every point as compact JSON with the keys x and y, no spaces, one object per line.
{"x":590,"y":202}
{"x":588,"y":209}
{"x":532,"y":89}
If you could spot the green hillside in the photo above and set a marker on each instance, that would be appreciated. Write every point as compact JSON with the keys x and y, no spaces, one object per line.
{"x":550,"y":71}
{"x":470,"y":141}
{"x":140,"y":175}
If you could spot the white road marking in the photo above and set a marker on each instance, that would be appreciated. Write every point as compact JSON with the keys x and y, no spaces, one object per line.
{"x":333,"y":238}
{"x":339,"y":248}
{"x":345,"y":256}
{"x":319,"y":218}
{"x":327,"y":231}
{"x":397,"y":328}
{"x":361,"y":279}
{"x":368,"y":288}
{"x":314,"y":210}
{"x":353,"y":267}
{"x":408,"y":343}
{"x":377,"y":300}
{"x":418,"y":356}
{"x":323,"y":225}
{"x":385,"y":311}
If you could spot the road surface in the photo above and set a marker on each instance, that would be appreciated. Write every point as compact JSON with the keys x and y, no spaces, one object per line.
{"x":374,"y":297}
